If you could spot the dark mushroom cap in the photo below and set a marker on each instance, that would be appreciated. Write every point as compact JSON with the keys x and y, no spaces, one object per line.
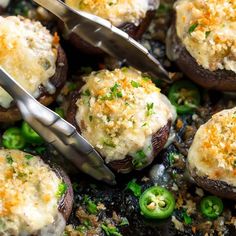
{"x":216,"y":187}
{"x":211,"y":159}
{"x":218,"y":80}
{"x":131,"y":29}
{"x":12,"y":114}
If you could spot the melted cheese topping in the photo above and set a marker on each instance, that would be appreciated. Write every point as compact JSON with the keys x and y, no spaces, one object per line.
{"x":213,"y":152}
{"x":28,"y":53}
{"x":4,"y":3}
{"x":28,"y":193}
{"x":207,"y":28}
{"x":120,"y":110}
{"x":116,"y":11}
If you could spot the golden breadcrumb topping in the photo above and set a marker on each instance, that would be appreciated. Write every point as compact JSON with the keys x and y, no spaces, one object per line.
{"x":119,"y":110}
{"x":213,"y":151}
{"x":28,"y":52}
{"x":207,"y":29}
{"x":28,"y":193}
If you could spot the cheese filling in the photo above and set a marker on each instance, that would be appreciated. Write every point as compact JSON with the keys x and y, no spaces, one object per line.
{"x":28,"y":194}
{"x":4,"y":3}
{"x":116,"y":11}
{"x":213,"y":152}
{"x":207,"y":28}
{"x":120,"y":110}
{"x":28,"y":53}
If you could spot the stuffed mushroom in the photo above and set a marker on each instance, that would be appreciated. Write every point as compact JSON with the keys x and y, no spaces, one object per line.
{"x":123,"y":115}
{"x":34,"y":58}
{"x":212,"y":159}
{"x":202,"y":42}
{"x":131,"y":16}
{"x":35,"y":199}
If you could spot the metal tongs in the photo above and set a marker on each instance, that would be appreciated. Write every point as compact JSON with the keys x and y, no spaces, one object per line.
{"x":57,"y":132}
{"x":102,"y":34}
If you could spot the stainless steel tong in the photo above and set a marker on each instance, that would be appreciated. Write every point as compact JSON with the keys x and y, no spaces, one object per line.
{"x":57,"y":132}
{"x":101,"y":33}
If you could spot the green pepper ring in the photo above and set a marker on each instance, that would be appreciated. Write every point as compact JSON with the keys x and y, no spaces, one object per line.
{"x":211,"y":206}
{"x":13,"y":139}
{"x":30,"y":135}
{"x":157,"y":203}
{"x":193,"y":93}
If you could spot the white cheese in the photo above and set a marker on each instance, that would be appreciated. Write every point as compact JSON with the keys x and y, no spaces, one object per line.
{"x":213,"y":151}
{"x":4,"y":3}
{"x":116,"y":11}
{"x":28,"y":53}
{"x":120,"y":110}
{"x":207,"y":28}
{"x":28,"y":194}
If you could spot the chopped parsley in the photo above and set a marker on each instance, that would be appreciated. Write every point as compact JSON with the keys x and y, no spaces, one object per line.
{"x":139,"y":159}
{"x":134,"y":187}
{"x":135,"y":84}
{"x":187,"y":219}
{"x":86,"y":93}
{"x":90,"y":205}
{"x":28,"y":157}
{"x":192,"y":27}
{"x":60,"y":112}
{"x":115,"y":93}
{"x":150,"y":107}
{"x":90,"y":118}
{"x":62,"y":188}
{"x":207,"y":33}
{"x":40,"y":150}
{"x":146,"y":78}
{"x":9,"y":159}
{"x":110,"y":230}
{"x":171,"y":157}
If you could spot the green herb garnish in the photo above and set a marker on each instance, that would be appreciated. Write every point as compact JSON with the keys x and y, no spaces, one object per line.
{"x":134,"y":187}
{"x":192,"y":27}
{"x":28,"y":157}
{"x":171,"y":157}
{"x":187,"y":218}
{"x":111,"y":230}
{"x":207,"y":33}
{"x":60,"y":112}
{"x":135,"y":84}
{"x":90,"y":205}
{"x":62,"y":188}
{"x":86,"y":93}
{"x":150,"y":107}
{"x":9,"y":159}
{"x":139,"y":159}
